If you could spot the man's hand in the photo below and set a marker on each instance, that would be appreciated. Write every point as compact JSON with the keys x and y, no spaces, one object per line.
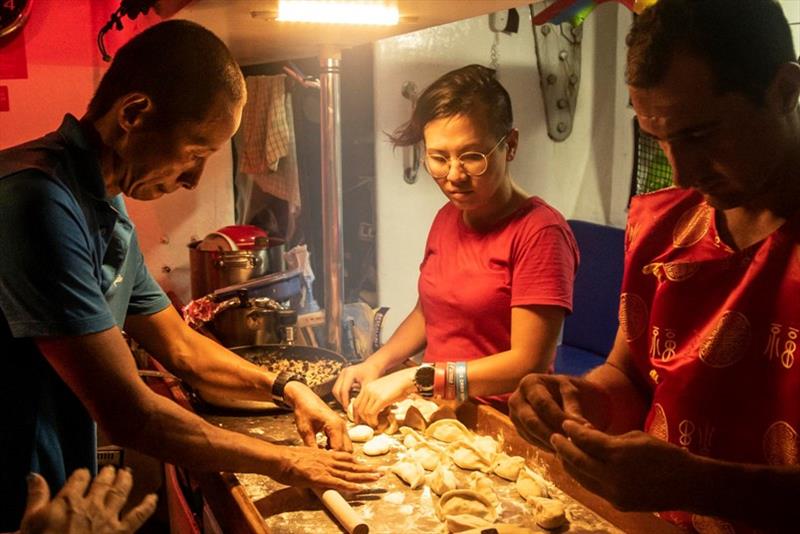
{"x":307,"y":467}
{"x":78,"y":511}
{"x":633,"y":471}
{"x":361,"y":374}
{"x":542,"y":403}
{"x":312,"y":415}
{"x":380,"y":393}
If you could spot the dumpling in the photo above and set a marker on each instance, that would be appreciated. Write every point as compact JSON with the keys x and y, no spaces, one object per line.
{"x":387,"y":424}
{"x":448,"y":430}
{"x":424,"y":406}
{"x":462,"y":522}
{"x":415,"y":419}
{"x":501,"y":528}
{"x":507,"y":467}
{"x":410,"y":437}
{"x":427,"y":454}
{"x":378,"y":445}
{"x":442,"y":480}
{"x":487,"y":445}
{"x":531,"y":484}
{"x":483,"y":485}
{"x":469,"y":502}
{"x":409,"y":472}
{"x":467,"y":456}
{"x":361,"y":433}
{"x":549,"y":513}
{"x":444,"y":412}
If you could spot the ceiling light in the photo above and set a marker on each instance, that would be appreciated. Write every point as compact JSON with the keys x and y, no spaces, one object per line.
{"x":338,"y":12}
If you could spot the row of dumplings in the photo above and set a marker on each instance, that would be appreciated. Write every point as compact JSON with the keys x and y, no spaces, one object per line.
{"x":473,"y":504}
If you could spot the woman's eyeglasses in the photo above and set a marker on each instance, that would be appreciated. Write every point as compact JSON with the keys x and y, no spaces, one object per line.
{"x":473,"y":163}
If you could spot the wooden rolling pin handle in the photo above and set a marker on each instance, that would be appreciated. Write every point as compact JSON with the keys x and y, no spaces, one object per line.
{"x":342,"y":511}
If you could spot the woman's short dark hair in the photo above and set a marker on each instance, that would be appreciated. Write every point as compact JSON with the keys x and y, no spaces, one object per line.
{"x":743,"y":41}
{"x":459,"y":92}
{"x":180,"y":65}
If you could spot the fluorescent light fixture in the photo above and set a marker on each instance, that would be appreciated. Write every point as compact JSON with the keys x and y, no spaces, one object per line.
{"x":338,"y":12}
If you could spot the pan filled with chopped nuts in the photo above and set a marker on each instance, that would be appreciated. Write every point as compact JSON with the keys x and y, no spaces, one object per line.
{"x":318,"y":366}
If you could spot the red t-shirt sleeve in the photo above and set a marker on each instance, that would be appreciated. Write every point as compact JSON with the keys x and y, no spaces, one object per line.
{"x":544,"y":268}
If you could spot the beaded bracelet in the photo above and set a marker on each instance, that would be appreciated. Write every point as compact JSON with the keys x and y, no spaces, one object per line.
{"x":461,"y":381}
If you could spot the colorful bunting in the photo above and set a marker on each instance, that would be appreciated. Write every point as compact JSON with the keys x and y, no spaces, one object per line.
{"x":576,"y":11}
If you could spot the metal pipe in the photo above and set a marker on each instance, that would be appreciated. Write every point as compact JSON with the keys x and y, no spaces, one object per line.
{"x":331,"y":145}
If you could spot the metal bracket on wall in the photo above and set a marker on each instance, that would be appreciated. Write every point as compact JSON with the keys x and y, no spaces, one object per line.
{"x":411,"y":154}
{"x":558,"y":55}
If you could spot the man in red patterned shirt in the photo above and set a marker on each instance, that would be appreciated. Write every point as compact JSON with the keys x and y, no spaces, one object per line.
{"x":696,"y":409}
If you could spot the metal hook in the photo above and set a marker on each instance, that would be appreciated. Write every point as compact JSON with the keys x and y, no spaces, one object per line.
{"x":411,"y":155}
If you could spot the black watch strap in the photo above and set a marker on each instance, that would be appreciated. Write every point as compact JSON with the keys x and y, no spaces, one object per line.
{"x":278,"y":386}
{"x":423,"y":380}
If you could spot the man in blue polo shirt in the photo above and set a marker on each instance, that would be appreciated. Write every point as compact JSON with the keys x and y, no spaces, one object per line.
{"x":72,"y":277}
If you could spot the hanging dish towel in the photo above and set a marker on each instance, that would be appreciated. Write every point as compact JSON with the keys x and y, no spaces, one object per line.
{"x":265,"y":128}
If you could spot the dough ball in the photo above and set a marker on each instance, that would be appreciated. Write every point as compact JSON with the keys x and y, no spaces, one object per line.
{"x":361,"y":433}
{"x":378,"y":445}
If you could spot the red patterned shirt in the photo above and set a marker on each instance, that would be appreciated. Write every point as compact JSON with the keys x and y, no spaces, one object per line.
{"x":713,"y":333}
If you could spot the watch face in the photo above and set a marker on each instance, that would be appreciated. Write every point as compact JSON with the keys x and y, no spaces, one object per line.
{"x":13,"y":14}
{"x":424,"y":376}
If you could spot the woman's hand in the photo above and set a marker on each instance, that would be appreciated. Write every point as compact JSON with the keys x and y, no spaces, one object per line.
{"x":84,"y":508}
{"x":361,"y":374}
{"x":380,"y":393}
{"x":308,"y":467}
{"x":312,"y":415}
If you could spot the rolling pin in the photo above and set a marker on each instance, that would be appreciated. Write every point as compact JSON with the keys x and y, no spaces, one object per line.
{"x":342,"y":511}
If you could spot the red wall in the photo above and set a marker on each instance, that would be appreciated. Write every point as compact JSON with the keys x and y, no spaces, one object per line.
{"x":62,"y":62}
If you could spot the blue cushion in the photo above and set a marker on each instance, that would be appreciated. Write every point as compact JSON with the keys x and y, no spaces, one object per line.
{"x":593,"y":323}
{"x":575,"y":361}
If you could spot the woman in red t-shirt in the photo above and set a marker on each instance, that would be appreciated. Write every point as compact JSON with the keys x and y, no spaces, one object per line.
{"x":496,"y":278}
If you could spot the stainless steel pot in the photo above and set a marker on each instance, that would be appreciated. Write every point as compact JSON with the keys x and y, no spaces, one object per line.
{"x":213,"y":269}
{"x":246,"y":326}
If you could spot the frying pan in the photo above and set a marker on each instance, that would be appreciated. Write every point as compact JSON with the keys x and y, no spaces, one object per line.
{"x":260,"y":354}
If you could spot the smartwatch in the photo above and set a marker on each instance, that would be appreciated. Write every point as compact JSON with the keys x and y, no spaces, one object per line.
{"x":423,"y":380}
{"x":283,"y":378}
